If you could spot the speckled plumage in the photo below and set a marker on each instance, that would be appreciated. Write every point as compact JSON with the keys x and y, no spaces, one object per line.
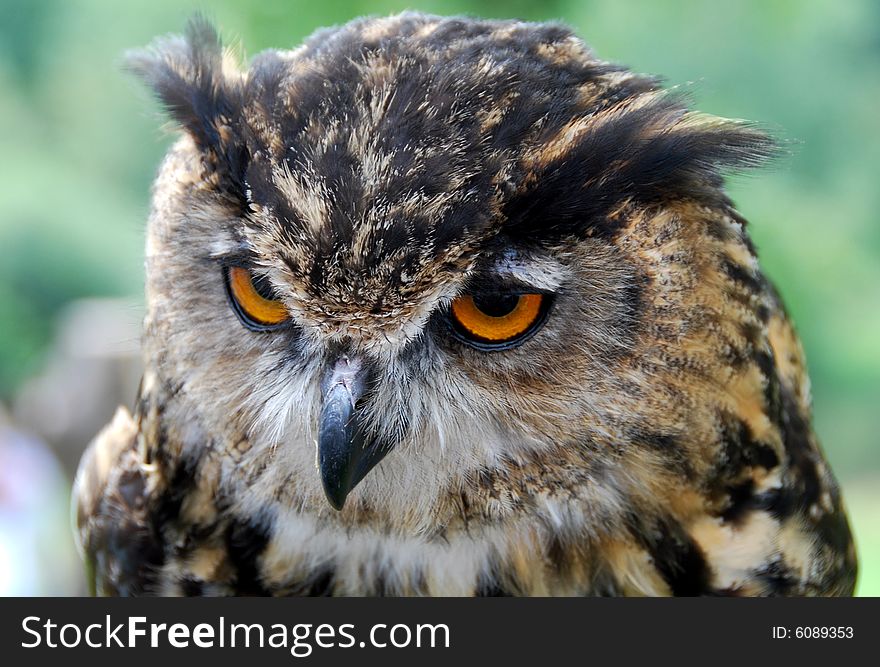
{"x":653,"y":437}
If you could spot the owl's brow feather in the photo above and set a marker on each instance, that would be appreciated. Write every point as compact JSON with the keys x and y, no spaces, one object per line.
{"x":542,"y":273}
{"x":226,"y":250}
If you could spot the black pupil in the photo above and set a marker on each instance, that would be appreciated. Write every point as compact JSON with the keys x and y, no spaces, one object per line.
{"x":496,"y":305}
{"x":263,"y":287}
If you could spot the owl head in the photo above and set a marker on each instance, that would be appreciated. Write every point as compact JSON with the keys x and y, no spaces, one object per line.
{"x":415,"y":248}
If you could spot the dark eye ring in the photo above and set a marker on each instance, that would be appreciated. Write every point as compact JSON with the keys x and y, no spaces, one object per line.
{"x":501,"y":321}
{"x":253,"y":300}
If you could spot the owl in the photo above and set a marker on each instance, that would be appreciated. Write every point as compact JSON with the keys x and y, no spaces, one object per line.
{"x":447,"y":306}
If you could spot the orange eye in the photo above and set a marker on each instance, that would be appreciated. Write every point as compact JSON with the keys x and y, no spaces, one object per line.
{"x":498,"y":321}
{"x":253,"y":299}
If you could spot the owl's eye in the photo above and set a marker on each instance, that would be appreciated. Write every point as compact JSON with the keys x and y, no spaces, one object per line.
{"x":497,"y":321}
{"x":253,"y":300}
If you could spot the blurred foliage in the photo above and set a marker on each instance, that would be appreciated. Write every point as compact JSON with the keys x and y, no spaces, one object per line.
{"x":81,"y":142}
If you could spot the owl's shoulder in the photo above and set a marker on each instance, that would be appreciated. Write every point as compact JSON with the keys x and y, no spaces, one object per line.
{"x":113,"y":527}
{"x":783,"y":511}
{"x":814,"y":527}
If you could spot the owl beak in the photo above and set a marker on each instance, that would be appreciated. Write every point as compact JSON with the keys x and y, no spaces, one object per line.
{"x":344,"y":455}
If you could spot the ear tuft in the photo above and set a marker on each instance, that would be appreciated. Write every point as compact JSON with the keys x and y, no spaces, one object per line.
{"x":186,"y":74}
{"x":650,"y":151}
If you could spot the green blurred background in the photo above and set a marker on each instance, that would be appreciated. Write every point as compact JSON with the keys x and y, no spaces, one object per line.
{"x":81,"y":142}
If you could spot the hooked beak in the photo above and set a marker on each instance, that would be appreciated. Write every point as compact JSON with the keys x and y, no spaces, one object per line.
{"x":344,"y":455}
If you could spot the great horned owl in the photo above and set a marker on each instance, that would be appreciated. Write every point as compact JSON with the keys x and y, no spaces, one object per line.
{"x":449,"y":306}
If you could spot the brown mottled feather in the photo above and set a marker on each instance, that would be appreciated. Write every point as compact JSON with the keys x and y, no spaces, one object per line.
{"x":652,"y":438}
{"x":115,"y":532}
